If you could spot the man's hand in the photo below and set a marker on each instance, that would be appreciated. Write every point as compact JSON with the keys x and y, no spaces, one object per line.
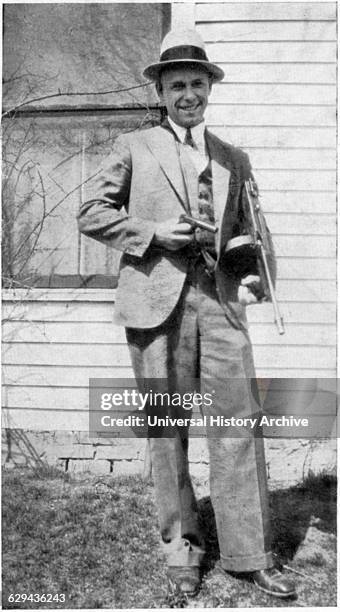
{"x":173,"y":235}
{"x":249,"y":291}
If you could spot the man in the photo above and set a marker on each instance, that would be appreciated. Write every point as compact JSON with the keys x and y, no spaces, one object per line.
{"x":183,"y":309}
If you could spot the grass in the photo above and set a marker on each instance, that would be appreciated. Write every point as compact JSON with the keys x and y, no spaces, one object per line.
{"x":96,"y":540}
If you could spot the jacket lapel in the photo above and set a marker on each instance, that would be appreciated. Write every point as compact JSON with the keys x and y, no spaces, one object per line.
{"x":163,"y":146}
{"x":178,"y":169}
{"x":220,"y":181}
{"x":189,"y":173}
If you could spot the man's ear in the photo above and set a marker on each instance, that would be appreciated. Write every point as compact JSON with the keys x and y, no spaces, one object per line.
{"x":159,"y":90}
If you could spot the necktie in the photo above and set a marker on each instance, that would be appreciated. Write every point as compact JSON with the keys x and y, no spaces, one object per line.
{"x":188,"y":140}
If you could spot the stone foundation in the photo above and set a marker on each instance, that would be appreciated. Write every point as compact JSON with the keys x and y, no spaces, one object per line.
{"x":288,"y":461}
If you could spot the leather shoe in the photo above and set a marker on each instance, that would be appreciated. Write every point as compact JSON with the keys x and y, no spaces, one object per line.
{"x":186,"y":579}
{"x":273,"y":582}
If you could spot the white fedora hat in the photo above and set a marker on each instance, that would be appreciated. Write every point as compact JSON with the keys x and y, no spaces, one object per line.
{"x":182,"y":47}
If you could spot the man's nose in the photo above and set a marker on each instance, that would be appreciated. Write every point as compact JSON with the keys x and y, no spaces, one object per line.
{"x":189,"y":94}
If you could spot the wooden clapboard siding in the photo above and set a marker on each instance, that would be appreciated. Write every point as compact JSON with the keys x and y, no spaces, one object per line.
{"x":302,"y":313}
{"x":272,"y":72}
{"x":64,"y":332}
{"x":57,"y":311}
{"x":273,"y":51}
{"x":306,"y":268}
{"x":297,"y":180}
{"x":45,"y":353}
{"x":52,"y":347}
{"x":47,"y":398}
{"x":304,"y":246}
{"x":269,"y":93}
{"x":274,"y":115}
{"x":278,"y":102}
{"x":45,"y":420}
{"x":102,"y":311}
{"x":292,"y":158}
{"x":302,"y":137}
{"x":288,"y":201}
{"x":105,"y":333}
{"x":322,"y":225}
{"x":46,"y":375}
{"x":76,"y":377}
{"x":94,"y":355}
{"x":259,"y":31}
{"x":265,"y":11}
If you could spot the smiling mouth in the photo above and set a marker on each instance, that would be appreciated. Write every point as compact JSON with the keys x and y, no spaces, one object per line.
{"x":192,"y":107}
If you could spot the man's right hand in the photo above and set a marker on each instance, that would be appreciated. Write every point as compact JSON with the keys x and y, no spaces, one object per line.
{"x":173,"y":235}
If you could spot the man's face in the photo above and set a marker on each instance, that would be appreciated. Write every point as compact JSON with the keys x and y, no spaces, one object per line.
{"x":184,"y":92}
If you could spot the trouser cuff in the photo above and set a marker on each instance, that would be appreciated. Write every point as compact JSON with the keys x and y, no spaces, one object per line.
{"x":247,"y":563}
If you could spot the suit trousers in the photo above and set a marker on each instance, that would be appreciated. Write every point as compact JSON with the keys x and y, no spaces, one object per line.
{"x":198,"y":341}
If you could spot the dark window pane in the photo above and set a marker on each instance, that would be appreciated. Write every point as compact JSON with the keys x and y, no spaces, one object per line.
{"x":51,"y":146}
{"x":46,"y":160}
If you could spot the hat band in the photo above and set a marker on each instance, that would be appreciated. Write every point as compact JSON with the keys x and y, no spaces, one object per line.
{"x":186,"y":52}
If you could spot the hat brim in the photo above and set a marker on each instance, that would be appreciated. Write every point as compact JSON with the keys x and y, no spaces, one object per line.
{"x":153,"y":71}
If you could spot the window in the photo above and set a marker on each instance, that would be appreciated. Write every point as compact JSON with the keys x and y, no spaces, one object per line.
{"x":52,"y":142}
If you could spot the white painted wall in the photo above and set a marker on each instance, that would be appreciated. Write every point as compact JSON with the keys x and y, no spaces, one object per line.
{"x":278,"y":102}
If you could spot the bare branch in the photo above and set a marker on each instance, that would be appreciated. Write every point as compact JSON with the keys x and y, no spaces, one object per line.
{"x":73,"y":93}
{"x":20,"y":151}
{"x":43,"y":217}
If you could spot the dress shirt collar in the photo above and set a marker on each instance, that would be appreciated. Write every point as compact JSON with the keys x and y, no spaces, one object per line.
{"x":197,"y":133}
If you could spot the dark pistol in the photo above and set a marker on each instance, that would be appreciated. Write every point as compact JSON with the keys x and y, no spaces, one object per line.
{"x":210,"y":227}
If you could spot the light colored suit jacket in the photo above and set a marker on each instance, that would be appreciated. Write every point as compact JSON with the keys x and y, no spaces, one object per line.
{"x":144,"y":181}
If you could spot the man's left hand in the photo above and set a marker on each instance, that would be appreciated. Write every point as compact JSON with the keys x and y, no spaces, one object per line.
{"x":249,"y":289}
